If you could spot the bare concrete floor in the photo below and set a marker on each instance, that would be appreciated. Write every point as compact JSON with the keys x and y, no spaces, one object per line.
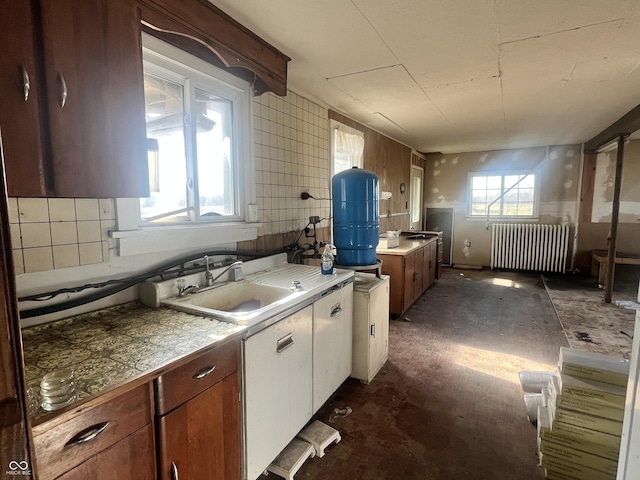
{"x":589,"y":322}
{"x":448,"y":404}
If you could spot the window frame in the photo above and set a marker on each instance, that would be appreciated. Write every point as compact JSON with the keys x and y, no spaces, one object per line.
{"x":135,"y":237}
{"x":169,"y":62}
{"x":502,"y":174}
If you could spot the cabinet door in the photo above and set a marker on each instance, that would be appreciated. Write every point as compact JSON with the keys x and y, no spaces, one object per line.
{"x":95,"y":98}
{"x":409,"y":280}
{"x":200,"y":440}
{"x":426,"y":266}
{"x":332,"y":343}
{"x":393,"y":265}
{"x":420,"y":275}
{"x":132,"y":458}
{"x":278,"y":386}
{"x":379,"y":329}
{"x":20,"y":83}
{"x":433,"y":262}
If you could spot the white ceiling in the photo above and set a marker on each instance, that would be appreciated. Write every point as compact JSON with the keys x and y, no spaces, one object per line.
{"x":460,"y":75}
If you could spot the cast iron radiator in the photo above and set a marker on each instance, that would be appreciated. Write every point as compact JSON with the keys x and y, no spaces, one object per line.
{"x":529,"y":247}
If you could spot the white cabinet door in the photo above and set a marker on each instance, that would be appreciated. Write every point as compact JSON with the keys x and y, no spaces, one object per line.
{"x":379,"y":329}
{"x":332,"y":333}
{"x":277,"y":376}
{"x":370,"y":326}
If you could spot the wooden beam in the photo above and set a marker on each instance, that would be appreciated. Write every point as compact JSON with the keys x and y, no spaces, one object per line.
{"x":625,"y":126}
{"x":615,"y":213}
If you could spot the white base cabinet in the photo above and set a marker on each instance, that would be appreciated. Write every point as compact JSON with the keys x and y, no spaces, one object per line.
{"x":332,"y":331}
{"x":370,"y":325}
{"x":278,"y":388}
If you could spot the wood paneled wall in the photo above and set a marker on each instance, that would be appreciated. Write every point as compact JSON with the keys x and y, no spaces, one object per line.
{"x":391,"y":161}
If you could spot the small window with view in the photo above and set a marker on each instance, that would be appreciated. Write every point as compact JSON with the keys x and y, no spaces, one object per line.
{"x":503,"y":195}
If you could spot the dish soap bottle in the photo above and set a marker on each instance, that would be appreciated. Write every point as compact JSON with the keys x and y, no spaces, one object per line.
{"x":326,"y":261}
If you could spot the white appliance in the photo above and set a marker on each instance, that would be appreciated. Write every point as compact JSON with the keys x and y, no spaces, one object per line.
{"x":370,"y":325}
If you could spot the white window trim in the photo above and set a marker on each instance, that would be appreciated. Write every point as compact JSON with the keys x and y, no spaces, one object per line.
{"x":536,"y":195}
{"x":135,"y":239}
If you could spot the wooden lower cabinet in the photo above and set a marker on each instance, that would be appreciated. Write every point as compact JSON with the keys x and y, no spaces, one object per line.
{"x":132,"y":458}
{"x":411,"y":274}
{"x":98,"y":438}
{"x":200,"y":439}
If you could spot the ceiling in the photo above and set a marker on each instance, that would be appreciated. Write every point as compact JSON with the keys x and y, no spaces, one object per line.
{"x":460,"y":75}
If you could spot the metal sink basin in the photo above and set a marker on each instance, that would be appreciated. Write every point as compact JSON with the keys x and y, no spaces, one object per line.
{"x":234,"y":302}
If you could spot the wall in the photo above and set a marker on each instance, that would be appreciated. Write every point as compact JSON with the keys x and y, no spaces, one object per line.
{"x":446,"y":183}
{"x":391,"y":161}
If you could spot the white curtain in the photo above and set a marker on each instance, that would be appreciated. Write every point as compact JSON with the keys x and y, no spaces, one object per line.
{"x":348,"y":149}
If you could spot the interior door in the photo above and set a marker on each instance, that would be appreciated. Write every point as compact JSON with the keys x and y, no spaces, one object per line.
{"x":415,"y":207}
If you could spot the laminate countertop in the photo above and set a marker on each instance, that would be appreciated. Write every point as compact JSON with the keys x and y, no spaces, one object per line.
{"x":406,"y":246}
{"x":116,"y":345}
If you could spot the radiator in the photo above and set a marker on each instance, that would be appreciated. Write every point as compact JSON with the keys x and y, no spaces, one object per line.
{"x":531,"y":247}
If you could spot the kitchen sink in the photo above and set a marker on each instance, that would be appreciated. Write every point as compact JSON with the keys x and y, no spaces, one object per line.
{"x":234,"y":302}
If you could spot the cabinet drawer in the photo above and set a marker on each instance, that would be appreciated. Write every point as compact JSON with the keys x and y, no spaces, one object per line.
{"x":71,"y":438}
{"x":185,"y":382}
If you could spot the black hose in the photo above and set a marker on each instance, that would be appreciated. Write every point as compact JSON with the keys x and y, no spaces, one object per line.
{"x":130,"y":282}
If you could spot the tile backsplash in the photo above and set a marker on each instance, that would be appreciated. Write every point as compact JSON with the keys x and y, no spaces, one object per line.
{"x":50,"y":233}
{"x":291,"y":137}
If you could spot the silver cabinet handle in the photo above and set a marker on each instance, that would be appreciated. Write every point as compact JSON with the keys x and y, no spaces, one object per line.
{"x":284,"y":343}
{"x":87,"y":435}
{"x":336,"y":310}
{"x":204,"y":372}
{"x":373,"y":330}
{"x":63,"y":90}
{"x":26,"y":83}
{"x":174,"y":471}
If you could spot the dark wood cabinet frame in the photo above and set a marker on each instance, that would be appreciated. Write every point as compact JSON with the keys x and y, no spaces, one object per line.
{"x":16,"y":442}
{"x":205,"y":31}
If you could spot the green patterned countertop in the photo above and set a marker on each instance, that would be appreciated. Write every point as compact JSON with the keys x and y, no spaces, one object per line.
{"x":109,"y":347}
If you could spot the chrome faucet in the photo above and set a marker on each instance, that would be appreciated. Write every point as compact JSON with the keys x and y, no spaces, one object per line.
{"x":208,"y":277}
{"x":237,"y":271}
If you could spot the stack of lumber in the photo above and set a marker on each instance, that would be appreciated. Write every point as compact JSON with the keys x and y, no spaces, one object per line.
{"x":580,"y":417}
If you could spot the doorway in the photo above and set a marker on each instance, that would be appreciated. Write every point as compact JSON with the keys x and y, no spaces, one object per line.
{"x":415,"y":206}
{"x":441,"y":220}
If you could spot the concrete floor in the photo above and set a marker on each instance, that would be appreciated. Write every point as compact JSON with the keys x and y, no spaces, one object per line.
{"x":448,"y":403}
{"x":591,"y":324}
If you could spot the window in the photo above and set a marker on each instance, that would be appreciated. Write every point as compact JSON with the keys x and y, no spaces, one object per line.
{"x":198,"y":130}
{"x":347,"y":147}
{"x":503,"y":195}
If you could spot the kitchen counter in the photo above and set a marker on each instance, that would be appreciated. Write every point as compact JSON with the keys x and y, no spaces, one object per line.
{"x":113,"y":346}
{"x":406,"y":246}
{"x":135,"y":342}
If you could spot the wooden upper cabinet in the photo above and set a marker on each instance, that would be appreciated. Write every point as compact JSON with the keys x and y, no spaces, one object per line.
{"x":20,"y":83}
{"x":95,"y":98}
